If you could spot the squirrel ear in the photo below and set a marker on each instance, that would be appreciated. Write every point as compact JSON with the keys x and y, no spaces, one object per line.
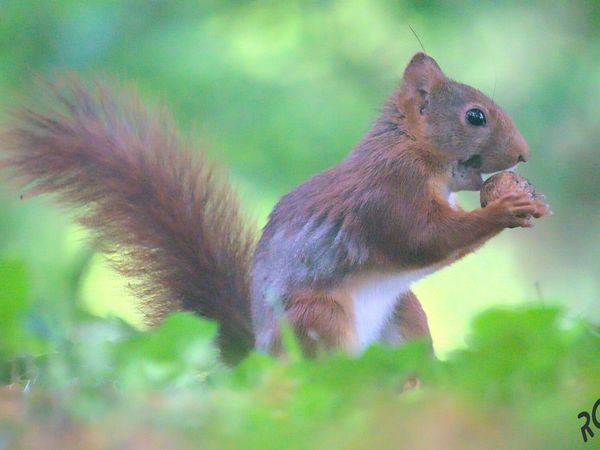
{"x":422,"y":72}
{"x":421,"y":75}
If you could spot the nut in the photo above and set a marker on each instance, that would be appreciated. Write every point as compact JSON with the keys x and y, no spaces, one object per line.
{"x":505,"y":183}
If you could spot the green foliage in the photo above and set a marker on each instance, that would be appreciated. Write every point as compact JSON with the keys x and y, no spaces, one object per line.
{"x":19,"y":325}
{"x":493,"y":365}
{"x":519,"y":383}
{"x":174,"y":354}
{"x":12,"y":307}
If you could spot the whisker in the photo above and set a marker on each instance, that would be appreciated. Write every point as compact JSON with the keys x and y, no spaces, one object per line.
{"x":420,"y":43}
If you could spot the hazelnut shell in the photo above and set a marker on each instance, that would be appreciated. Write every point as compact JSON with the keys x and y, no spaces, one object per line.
{"x":504,"y":183}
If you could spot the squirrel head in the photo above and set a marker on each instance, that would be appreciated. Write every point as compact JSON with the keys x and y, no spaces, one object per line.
{"x":457,"y":125}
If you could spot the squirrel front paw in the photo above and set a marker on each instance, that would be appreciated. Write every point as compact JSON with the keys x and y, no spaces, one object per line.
{"x":543,"y":208}
{"x":516,"y":210}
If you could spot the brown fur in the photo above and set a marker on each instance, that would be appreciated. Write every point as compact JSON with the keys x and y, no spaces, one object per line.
{"x":321,"y":321}
{"x":167,"y":217}
{"x":410,"y":319}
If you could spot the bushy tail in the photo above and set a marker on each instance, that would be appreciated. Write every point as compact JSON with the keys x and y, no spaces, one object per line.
{"x":166,"y":218}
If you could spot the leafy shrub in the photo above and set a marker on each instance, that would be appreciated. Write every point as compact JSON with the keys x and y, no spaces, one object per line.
{"x":520,"y":383}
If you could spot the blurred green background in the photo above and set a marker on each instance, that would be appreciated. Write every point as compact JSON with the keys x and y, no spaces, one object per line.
{"x":279,"y":90}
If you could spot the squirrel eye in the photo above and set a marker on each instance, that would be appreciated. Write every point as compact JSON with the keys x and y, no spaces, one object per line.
{"x":476,"y":117}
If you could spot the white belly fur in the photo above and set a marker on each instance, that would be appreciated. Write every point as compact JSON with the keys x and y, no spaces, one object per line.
{"x":374,"y":296}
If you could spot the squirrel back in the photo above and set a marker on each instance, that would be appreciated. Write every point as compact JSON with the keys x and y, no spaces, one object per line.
{"x":169,"y":220}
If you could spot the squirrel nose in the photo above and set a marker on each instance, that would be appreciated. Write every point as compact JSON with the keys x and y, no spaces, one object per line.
{"x":522,"y":148}
{"x":524,"y":154}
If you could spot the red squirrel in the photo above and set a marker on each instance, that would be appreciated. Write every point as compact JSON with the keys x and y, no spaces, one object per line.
{"x":339,"y":253}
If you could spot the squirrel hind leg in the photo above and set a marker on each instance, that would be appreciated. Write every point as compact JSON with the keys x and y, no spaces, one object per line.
{"x":322,"y":322}
{"x":409,"y":322}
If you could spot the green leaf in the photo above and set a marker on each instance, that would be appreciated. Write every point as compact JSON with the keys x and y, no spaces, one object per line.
{"x":15,"y":336}
{"x":178,"y":352}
